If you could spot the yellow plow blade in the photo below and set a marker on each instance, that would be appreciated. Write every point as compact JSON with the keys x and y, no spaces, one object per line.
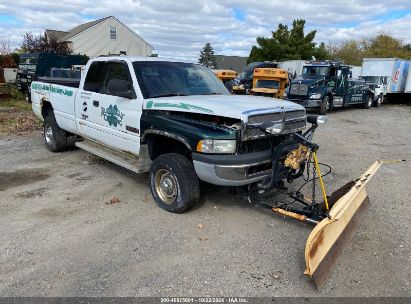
{"x":330,"y":235}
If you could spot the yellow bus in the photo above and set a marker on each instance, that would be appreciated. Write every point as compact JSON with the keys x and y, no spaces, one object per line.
{"x":269,"y":82}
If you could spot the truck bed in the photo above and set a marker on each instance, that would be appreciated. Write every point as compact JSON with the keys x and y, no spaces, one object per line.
{"x":69,"y":82}
{"x":61,"y":97}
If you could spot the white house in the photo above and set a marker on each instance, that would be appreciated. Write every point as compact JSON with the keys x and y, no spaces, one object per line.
{"x":102,"y":37}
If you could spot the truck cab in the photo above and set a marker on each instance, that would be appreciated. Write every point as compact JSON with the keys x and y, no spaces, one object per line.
{"x":270,"y":82}
{"x":324,"y":85}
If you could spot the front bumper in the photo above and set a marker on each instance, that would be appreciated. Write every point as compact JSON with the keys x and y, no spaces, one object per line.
{"x":307,"y":103}
{"x":233,"y":170}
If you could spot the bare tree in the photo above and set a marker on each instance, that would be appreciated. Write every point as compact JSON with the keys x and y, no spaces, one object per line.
{"x":6,"y":47}
{"x":42,"y":43}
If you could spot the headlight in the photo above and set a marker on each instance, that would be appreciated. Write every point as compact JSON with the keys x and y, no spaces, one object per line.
{"x":216,"y":146}
{"x":315,"y":96}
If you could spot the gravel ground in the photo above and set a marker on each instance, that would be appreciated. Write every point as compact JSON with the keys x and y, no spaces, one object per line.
{"x":59,"y":236}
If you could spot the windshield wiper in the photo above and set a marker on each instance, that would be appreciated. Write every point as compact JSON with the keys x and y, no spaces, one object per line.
{"x":169,"y":95}
{"x":214,"y":93}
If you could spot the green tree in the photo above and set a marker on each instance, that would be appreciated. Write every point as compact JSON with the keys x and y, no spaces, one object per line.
{"x":350,"y":51}
{"x":286,"y":44}
{"x":207,"y":57}
{"x":385,"y":46}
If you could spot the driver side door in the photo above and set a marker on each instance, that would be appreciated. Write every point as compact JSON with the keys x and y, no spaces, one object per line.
{"x":111,"y":119}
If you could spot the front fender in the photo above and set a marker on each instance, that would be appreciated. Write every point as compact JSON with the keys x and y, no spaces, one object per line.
{"x":185,"y":130}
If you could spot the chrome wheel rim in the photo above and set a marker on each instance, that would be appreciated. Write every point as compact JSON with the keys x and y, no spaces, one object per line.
{"x":166,"y":186}
{"x":48,"y":135}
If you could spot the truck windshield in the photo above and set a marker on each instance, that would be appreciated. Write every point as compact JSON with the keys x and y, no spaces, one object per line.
{"x":161,"y":79}
{"x":316,"y":71}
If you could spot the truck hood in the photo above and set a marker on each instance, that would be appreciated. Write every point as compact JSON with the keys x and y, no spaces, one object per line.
{"x":232,"y":106}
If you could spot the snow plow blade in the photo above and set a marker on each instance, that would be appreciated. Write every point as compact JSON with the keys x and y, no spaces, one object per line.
{"x":329,"y":237}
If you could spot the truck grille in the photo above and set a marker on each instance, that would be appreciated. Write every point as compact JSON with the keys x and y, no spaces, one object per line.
{"x":293,"y":121}
{"x":299,"y":89}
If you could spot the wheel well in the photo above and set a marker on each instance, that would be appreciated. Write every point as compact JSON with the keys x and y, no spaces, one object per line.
{"x":160,"y":144}
{"x":45,"y":108}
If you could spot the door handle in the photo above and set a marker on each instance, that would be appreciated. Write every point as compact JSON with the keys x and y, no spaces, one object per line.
{"x":96,"y":103}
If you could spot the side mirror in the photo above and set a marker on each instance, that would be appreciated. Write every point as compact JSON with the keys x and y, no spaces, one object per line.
{"x":120,"y":88}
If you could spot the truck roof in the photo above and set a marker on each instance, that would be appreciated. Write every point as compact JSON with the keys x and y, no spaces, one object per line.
{"x":139,"y":58}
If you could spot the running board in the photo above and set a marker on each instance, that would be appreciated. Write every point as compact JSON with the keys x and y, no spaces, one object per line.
{"x":129,"y":161}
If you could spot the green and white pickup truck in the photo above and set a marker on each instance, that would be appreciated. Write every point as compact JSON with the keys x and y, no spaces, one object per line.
{"x":175,"y":120}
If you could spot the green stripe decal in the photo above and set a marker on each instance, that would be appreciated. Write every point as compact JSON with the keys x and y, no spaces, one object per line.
{"x":185,"y":106}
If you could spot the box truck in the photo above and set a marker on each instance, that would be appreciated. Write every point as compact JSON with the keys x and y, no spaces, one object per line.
{"x":389,"y":75}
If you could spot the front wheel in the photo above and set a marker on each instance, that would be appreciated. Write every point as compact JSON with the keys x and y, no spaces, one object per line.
{"x":325,"y":104}
{"x":368,"y":103}
{"x":379,"y":101}
{"x":174,"y":183}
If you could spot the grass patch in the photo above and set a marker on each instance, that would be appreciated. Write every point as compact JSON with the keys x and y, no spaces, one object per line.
{"x":18,"y":123}
{"x":16,"y":105}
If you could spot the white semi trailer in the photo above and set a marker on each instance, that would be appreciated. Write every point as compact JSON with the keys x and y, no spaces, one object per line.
{"x":388,"y":74}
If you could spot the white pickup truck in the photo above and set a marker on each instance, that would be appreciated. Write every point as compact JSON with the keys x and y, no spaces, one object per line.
{"x":175,"y":120}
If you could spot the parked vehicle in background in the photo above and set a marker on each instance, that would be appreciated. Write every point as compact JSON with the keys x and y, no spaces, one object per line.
{"x":227,"y":77}
{"x":270,"y":82}
{"x":324,"y":85}
{"x":378,"y":84}
{"x":244,"y":82}
{"x":388,"y":74}
{"x":408,"y":84}
{"x":34,"y":65}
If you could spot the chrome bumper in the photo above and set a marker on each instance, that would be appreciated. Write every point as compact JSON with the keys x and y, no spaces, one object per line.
{"x":233,"y":170}
{"x":308,"y":103}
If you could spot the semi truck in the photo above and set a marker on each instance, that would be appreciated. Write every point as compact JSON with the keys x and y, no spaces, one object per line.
{"x":324,"y":85}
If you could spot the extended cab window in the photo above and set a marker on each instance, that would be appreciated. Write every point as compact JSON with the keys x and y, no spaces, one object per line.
{"x":93,"y":78}
{"x":114,"y":70}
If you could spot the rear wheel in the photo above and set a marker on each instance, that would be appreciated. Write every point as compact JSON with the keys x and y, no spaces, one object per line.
{"x":55,"y":138}
{"x":174,"y":183}
{"x":325,"y":104}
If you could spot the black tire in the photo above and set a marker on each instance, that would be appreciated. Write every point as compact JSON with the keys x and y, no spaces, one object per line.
{"x":330,"y":104}
{"x":379,"y":101}
{"x":368,"y":103}
{"x":55,"y":138}
{"x":324,"y":105}
{"x":174,"y":183}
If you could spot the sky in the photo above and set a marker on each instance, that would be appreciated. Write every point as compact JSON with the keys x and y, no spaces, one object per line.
{"x":180,"y":29}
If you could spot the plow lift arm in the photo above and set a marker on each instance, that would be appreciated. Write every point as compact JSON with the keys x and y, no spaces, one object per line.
{"x":335,"y":219}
